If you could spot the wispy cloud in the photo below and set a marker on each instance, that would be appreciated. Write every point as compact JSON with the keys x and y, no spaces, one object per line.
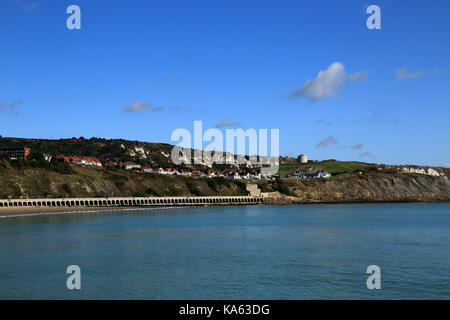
{"x":94,"y":89}
{"x":10,"y":107}
{"x":327,"y":124}
{"x":136,"y":107}
{"x":383,"y":118}
{"x":446,"y":165}
{"x":358,"y":76}
{"x":141,"y":106}
{"x":366,"y":155}
{"x":357,"y":146}
{"x":177,"y":108}
{"x":326,"y":142}
{"x":157,"y":109}
{"x":403,"y":74}
{"x":172,"y":77}
{"x":227,"y":123}
{"x":327,"y":83}
{"x":27,"y":6}
{"x":289,"y":155}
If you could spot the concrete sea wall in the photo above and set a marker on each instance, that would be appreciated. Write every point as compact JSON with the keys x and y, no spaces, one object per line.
{"x":130,"y":201}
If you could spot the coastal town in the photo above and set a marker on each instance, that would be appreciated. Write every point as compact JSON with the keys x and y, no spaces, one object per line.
{"x":97,"y":167}
{"x":304,"y":173}
{"x":306,"y":169}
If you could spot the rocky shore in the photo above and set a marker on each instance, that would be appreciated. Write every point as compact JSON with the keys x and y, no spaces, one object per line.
{"x":399,"y":187}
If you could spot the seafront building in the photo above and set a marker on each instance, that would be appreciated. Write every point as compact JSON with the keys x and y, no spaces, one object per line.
{"x":311,"y":173}
{"x":130,"y":165}
{"x":16,"y":153}
{"x":79,"y":160}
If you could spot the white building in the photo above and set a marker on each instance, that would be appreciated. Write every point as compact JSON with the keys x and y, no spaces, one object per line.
{"x":302,"y":158}
{"x":131,"y":166}
{"x":311,"y":174}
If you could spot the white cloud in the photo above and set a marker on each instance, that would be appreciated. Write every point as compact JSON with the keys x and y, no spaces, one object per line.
{"x":402,"y":73}
{"x":446,"y":165}
{"x":327,"y":83}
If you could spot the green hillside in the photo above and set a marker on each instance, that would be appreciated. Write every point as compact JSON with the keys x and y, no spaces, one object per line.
{"x":103,"y":149}
{"x":152,"y":154}
{"x":331,"y":166}
{"x":144,"y":153}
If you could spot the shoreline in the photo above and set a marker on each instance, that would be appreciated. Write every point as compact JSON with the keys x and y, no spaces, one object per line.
{"x":281,"y":203}
{"x":29,"y":212}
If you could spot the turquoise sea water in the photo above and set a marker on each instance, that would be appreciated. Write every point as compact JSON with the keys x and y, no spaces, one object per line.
{"x":255,"y":252}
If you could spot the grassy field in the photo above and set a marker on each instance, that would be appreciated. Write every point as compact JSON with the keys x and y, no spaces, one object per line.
{"x":332,"y":167}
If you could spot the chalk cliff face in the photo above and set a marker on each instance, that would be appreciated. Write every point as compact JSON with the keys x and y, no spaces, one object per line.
{"x":396,"y":187}
{"x":427,"y":171}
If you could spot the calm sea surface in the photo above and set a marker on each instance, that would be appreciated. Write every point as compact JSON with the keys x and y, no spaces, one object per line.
{"x":256,"y":252}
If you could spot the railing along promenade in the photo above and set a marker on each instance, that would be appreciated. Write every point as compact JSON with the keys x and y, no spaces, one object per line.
{"x":130,"y":201}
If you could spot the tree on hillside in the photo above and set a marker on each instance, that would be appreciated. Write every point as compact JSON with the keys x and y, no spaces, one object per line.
{"x":36,"y":156}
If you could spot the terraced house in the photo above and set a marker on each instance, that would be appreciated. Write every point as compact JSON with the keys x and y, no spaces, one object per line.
{"x":79,"y":160}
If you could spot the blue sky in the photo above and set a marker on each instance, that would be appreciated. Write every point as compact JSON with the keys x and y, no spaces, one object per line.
{"x":383,"y":95}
